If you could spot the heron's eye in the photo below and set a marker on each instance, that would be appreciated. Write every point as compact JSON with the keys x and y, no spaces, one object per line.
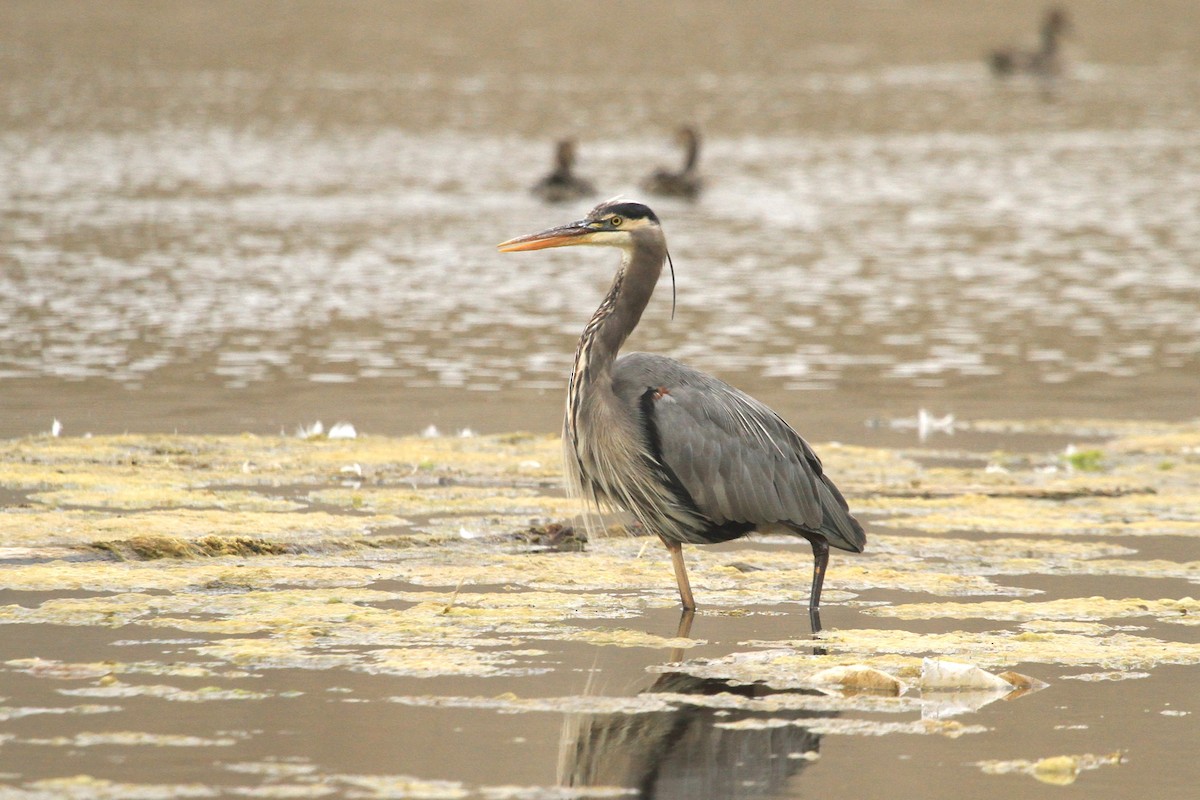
{"x":615,"y":222}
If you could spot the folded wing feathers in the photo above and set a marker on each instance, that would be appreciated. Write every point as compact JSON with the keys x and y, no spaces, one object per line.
{"x":738,"y":459}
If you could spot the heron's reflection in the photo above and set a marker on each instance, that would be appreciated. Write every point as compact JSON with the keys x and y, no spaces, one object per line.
{"x":689,"y":751}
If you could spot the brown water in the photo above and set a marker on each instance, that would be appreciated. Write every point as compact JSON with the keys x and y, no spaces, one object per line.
{"x":245,"y":216}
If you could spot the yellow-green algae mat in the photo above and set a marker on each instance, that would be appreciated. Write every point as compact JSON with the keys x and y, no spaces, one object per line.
{"x":453,"y":557}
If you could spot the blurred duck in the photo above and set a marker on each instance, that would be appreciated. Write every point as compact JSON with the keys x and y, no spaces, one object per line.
{"x":684,"y":183}
{"x":562,"y":184}
{"x":1044,"y":62}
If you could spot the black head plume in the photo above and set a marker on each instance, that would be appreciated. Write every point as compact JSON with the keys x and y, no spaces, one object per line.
{"x":625,"y":208}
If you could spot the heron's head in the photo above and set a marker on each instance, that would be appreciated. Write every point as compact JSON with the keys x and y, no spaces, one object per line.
{"x":616,"y":223}
{"x":1055,"y":22}
{"x":564,"y":153}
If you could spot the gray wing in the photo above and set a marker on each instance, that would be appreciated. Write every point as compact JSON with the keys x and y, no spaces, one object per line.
{"x":739,"y":461}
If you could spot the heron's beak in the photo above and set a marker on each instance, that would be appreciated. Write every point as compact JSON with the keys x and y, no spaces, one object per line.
{"x":562,"y":236}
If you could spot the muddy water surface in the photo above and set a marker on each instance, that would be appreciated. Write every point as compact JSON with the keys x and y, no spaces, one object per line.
{"x":230,"y":218}
{"x":240,"y":217}
{"x":374,"y":617}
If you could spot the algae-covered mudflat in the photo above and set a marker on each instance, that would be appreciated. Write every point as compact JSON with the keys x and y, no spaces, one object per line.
{"x":425,"y":617}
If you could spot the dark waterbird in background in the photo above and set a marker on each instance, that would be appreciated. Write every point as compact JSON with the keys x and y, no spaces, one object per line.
{"x":692,"y":458}
{"x":1044,"y":62}
{"x":683,"y":183}
{"x":562,"y":183}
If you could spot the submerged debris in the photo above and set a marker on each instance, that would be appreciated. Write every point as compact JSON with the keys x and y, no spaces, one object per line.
{"x":944,"y":676}
{"x":554,"y":536}
{"x":861,"y":678}
{"x":1057,"y":770}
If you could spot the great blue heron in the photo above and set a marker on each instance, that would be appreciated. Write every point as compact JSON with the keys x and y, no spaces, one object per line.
{"x":692,"y":458}
{"x":683,"y":183}
{"x":562,"y":183}
{"x":1043,"y":62}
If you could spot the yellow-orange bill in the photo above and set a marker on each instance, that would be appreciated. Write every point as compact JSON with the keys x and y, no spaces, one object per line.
{"x":534,"y":242}
{"x":554,"y":237}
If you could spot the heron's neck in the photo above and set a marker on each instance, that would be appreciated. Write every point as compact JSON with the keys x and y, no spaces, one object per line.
{"x":620,"y":311}
{"x":1049,"y":38}
{"x":691,"y":154}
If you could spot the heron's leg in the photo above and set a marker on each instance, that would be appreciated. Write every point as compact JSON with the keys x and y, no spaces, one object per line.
{"x":820,"y":549}
{"x":685,"y":588}
{"x":814,"y":620}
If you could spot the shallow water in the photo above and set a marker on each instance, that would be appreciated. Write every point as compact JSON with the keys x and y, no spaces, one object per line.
{"x":373,"y":617}
{"x":242,"y":220}
{"x":332,"y":731}
{"x":243,"y":216}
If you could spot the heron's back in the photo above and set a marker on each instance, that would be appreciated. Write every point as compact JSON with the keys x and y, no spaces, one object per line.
{"x":730,"y":458}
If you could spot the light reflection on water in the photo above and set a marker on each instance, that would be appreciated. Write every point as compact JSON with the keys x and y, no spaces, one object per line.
{"x":217,"y":193}
{"x":918,"y":257}
{"x":874,"y":221}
